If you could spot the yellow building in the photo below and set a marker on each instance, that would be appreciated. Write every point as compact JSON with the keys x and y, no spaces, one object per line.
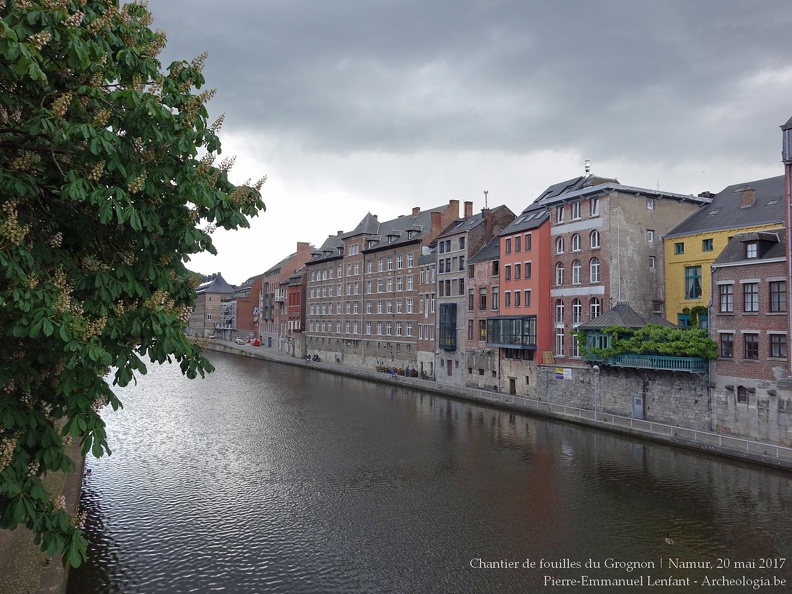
{"x":691,"y":247}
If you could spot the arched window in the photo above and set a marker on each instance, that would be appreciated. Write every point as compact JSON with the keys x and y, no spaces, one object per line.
{"x":560,"y":245}
{"x":594,"y":270}
{"x":576,"y":242}
{"x":595,"y":239}
{"x":559,"y":309}
{"x":559,"y":274}
{"x":576,"y":272}
{"x":594,"y":308}
{"x":577,"y":311}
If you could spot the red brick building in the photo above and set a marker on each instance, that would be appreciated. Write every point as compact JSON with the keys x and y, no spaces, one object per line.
{"x":363,"y":290}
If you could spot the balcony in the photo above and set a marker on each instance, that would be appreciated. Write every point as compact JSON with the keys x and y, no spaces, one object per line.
{"x":658,"y":362}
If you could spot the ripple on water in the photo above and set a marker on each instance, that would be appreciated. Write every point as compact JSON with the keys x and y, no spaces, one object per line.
{"x":268,"y":478}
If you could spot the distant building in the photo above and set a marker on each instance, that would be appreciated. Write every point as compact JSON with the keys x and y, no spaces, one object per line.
{"x":273,"y":311}
{"x":749,"y":322}
{"x":207,"y":316}
{"x":455,"y":245}
{"x":363,"y":291}
{"x":692,"y":246}
{"x":247,"y":307}
{"x":607,"y":249}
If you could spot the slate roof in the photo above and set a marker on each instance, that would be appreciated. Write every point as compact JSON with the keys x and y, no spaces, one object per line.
{"x":490,"y":251}
{"x":537,"y":212}
{"x":471,"y":222}
{"x":398,"y":231}
{"x":772,"y":245}
{"x":214,"y":283}
{"x":725,"y":211}
{"x":620,"y":314}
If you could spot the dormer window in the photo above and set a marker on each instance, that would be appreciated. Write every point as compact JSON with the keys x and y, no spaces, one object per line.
{"x":751,"y":250}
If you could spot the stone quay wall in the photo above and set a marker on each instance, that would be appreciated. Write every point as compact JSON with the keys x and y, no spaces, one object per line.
{"x":675,"y":404}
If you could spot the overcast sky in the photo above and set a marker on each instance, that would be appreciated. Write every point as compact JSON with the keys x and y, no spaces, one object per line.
{"x":356,"y":106}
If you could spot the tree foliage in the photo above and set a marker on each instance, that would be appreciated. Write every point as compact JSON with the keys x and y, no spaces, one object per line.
{"x":653,"y":339}
{"x":106,"y":176}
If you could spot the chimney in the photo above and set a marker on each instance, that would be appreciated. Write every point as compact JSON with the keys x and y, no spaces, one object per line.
{"x":416,"y":210}
{"x":340,"y":233}
{"x":747,"y":197}
{"x":454,"y":204}
{"x":436,"y":222}
{"x":488,"y":222}
{"x":468,"y":209}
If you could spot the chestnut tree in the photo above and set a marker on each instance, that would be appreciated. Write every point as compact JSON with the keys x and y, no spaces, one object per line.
{"x":108,"y":184}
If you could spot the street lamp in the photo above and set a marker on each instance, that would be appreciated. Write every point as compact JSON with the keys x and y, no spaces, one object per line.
{"x":596,"y":370}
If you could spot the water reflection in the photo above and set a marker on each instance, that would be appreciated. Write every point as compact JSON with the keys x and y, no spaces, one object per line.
{"x":271,"y":478}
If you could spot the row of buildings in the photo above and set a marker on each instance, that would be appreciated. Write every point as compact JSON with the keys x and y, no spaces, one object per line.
{"x":486,"y":299}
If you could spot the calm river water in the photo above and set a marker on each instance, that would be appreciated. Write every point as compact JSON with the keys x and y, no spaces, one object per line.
{"x":265,"y":477}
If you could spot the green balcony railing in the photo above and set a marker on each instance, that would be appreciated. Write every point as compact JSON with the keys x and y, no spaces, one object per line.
{"x":662,"y":362}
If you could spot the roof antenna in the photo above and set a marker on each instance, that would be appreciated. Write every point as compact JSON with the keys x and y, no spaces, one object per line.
{"x":587,"y":166}
{"x":485,"y":198}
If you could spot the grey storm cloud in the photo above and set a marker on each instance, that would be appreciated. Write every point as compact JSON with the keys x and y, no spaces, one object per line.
{"x":675,"y":78}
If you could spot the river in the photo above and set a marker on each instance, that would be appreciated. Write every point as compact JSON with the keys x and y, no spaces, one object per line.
{"x":265,"y":477}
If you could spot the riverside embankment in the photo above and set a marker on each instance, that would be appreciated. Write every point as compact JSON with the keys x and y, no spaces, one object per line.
{"x":24,"y":568}
{"x":756,"y":452}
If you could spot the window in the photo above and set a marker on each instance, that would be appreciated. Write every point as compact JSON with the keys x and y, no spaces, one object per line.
{"x":594,"y":207}
{"x":482,"y":329}
{"x":527,"y":242}
{"x":751,"y":343}
{"x":410,"y":260}
{"x":577,"y":311}
{"x":560,"y":245}
{"x":576,"y":272}
{"x":559,"y":210}
{"x":594,"y":308}
{"x":692,"y":282}
{"x":559,"y":311}
{"x":517,"y":240}
{"x":751,"y":297}
{"x":482,"y":299}
{"x":726,"y":298}
{"x":575,"y":211}
{"x":652,"y":263}
{"x":495,"y":297}
{"x":650,"y":236}
{"x":778,"y":345}
{"x":528,"y":270}
{"x":508,"y":272}
{"x":778,"y":296}
{"x":389,"y":262}
{"x":462,"y":242}
{"x":508,"y":245}
{"x":679,"y":248}
{"x":594,"y":239}
{"x":507,"y":299}
{"x":751,"y":250}
{"x":516,"y":299}
{"x":559,"y":342}
{"x":517,"y":269}
{"x":527,"y":298}
{"x":594,"y":270}
{"x":576,"y":242}
{"x":706,"y":245}
{"x":471,"y":300}
{"x":650,"y":203}
{"x":470,"y":329}
{"x":727,"y":345}
{"x":559,"y":274}
{"x":399,"y":261}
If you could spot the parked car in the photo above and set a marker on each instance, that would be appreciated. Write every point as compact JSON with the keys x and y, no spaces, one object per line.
{"x":256,"y":342}
{"x":239,"y":341}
